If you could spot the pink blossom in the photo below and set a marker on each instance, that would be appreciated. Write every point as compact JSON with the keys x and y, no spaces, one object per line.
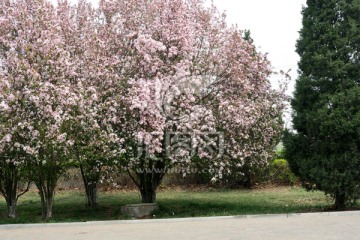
{"x":4,"y":106}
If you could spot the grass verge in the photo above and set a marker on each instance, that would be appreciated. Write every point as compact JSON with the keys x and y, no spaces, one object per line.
{"x":70,"y":205}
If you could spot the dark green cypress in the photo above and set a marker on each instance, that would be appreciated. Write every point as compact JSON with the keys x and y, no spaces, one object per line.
{"x":324,"y":148}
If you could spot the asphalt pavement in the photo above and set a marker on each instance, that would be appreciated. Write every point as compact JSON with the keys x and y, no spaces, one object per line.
{"x":334,"y":225}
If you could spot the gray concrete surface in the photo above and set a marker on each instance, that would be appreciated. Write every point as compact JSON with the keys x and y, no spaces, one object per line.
{"x":341,"y":225}
{"x":139,"y":210}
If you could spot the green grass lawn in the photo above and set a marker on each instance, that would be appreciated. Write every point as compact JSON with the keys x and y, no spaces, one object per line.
{"x":70,"y":205}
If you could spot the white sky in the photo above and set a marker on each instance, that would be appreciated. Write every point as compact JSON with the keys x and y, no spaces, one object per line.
{"x":274,"y":26}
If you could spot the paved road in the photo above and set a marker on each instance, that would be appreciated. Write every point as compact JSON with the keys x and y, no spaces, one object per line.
{"x":344,"y":225}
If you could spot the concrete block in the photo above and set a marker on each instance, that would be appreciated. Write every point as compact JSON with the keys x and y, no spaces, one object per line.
{"x":139,"y":210}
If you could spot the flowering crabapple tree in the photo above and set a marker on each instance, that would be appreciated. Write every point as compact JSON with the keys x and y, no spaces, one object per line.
{"x":155,"y":53}
{"x":93,"y":127}
{"x":13,"y":140}
{"x":36,"y":92}
{"x":168,"y":80}
{"x":14,"y":135}
{"x":13,"y":165}
{"x":195,"y":89}
{"x":13,"y":171}
{"x":246,"y":110}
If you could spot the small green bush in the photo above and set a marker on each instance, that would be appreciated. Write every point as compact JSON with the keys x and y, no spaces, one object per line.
{"x":280,"y":172}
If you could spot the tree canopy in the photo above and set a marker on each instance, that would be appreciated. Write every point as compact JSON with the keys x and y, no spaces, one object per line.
{"x":137,"y":86}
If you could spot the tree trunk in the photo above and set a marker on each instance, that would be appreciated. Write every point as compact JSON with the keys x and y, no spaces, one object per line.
{"x":148,"y":193}
{"x":340,"y":200}
{"x":9,"y":181}
{"x":11,"y":195}
{"x":90,"y":178}
{"x":47,"y":206}
{"x":11,"y":208}
{"x":149,"y":174}
{"x":150,"y":180}
{"x":91,"y":194}
{"x":47,"y":193}
{"x":45,"y":177}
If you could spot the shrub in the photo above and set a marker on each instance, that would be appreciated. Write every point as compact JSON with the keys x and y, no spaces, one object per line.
{"x":280,"y":172}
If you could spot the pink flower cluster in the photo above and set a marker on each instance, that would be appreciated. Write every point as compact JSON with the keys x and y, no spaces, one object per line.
{"x":128,"y":72}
